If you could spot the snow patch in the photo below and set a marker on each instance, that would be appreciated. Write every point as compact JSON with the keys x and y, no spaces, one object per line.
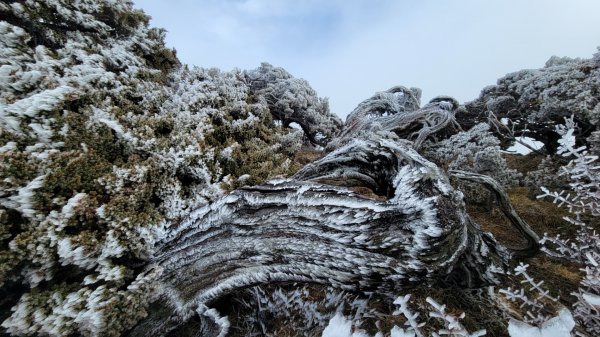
{"x":559,"y":326}
{"x":339,"y":326}
{"x":592,"y":299}
{"x":399,"y":332}
{"x":521,"y":149}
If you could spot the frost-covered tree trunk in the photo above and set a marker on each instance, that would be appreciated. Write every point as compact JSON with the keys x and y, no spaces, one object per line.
{"x":412,"y":229}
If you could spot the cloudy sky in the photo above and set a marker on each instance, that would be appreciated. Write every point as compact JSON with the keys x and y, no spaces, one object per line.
{"x":349,"y":49}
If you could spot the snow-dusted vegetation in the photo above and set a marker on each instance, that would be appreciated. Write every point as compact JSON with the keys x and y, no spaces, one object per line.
{"x":106,"y":142}
{"x":140,"y":196}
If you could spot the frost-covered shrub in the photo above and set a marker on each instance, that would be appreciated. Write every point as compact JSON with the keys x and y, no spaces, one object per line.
{"x":547,"y":174}
{"x":304,"y":309}
{"x":532,"y":302}
{"x":301,"y":311}
{"x":594,"y":142}
{"x":105,"y":141}
{"x":475,"y":150}
{"x":537,"y":99}
{"x":451,"y":323}
{"x":583,"y":173}
{"x":562,"y":88}
{"x":583,"y":198}
{"x":68,"y":69}
{"x":584,"y":249}
{"x":414,"y":326}
{"x":292,"y":100}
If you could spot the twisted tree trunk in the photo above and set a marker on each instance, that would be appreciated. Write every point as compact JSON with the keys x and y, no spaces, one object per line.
{"x":313,"y":228}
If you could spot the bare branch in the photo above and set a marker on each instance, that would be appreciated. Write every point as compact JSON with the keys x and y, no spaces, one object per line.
{"x":532,"y":238}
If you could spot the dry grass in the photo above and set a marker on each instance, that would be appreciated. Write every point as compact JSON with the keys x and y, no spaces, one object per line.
{"x":306,"y":156}
{"x":523,"y":164}
{"x":560,"y":277}
{"x":541,"y":215}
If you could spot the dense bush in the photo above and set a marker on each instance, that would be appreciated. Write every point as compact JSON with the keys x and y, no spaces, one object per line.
{"x":476,"y":150}
{"x":105,"y":142}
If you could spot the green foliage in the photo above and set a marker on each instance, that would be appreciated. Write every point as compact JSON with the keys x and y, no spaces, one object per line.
{"x":105,"y":142}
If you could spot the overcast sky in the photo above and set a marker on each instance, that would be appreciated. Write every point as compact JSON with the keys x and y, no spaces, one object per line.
{"x":349,"y":49}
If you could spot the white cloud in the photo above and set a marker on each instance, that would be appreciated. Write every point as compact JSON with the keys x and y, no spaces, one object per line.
{"x":348,"y":49}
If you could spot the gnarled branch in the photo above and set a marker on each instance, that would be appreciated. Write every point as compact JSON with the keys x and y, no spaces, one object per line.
{"x":397,"y":111}
{"x":532,"y":238}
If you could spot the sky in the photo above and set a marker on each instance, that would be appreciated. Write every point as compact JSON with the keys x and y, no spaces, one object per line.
{"x":349,"y":49}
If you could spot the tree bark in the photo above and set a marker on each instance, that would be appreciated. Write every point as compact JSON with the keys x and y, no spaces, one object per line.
{"x":414,"y":230}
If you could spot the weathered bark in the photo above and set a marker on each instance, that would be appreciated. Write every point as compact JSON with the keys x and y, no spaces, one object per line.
{"x":519,"y":224}
{"x":397,"y":110}
{"x":313,"y":228}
